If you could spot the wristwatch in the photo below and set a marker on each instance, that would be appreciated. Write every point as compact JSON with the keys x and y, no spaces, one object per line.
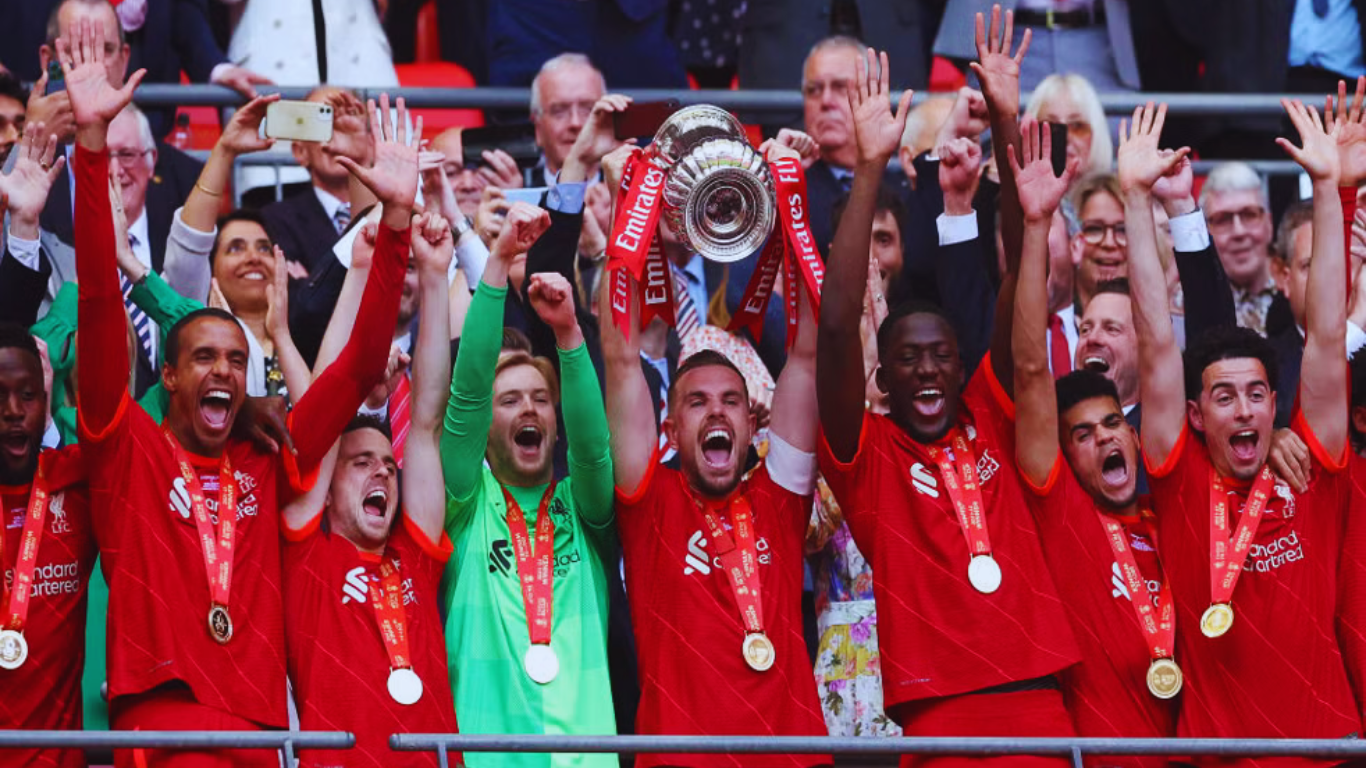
{"x":461,"y":226}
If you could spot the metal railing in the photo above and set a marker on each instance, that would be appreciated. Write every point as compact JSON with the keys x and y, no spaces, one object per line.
{"x":287,"y":743}
{"x":1194,"y":104}
{"x":1074,"y":749}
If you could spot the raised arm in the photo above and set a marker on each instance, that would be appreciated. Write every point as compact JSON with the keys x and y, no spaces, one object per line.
{"x":1036,"y":406}
{"x":1161,"y":381}
{"x":292,"y":366}
{"x":999,"y":73}
{"x":320,"y":415}
{"x":1323,"y":375}
{"x":469,"y":412}
{"x":424,"y":499}
{"x":630,"y":404}
{"x":585,"y":421}
{"x":1197,"y":262}
{"x":839,"y":361}
{"x":101,"y":340}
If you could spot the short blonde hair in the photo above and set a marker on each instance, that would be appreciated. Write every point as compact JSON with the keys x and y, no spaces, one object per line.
{"x":514,"y":358}
{"x":1084,"y":94}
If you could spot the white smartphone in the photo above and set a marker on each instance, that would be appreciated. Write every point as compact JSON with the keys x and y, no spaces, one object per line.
{"x":531,"y":195}
{"x":299,"y":121}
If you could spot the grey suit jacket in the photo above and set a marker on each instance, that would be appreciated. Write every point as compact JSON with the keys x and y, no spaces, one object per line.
{"x":61,"y":256}
{"x":957,"y":36}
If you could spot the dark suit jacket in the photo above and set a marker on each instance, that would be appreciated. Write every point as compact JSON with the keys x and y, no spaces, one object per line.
{"x":302,"y":228}
{"x":160,"y":206}
{"x":1289,"y":346}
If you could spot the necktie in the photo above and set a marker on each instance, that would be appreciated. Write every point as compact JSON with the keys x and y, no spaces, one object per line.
{"x":142,"y":324}
{"x":685,"y":308}
{"x":342,"y":217}
{"x":400,"y":402}
{"x":1058,"y":357}
{"x":1320,"y":8}
{"x":846,"y":181}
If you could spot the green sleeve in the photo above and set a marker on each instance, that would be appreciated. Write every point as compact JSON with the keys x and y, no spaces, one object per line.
{"x":585,"y":429}
{"x":469,"y":412}
{"x":160,"y":301}
{"x":58,"y":330}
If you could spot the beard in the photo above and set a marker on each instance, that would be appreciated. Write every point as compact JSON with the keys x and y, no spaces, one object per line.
{"x":22,"y":474}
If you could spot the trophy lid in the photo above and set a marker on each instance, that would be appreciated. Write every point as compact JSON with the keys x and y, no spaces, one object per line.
{"x":691,"y":126}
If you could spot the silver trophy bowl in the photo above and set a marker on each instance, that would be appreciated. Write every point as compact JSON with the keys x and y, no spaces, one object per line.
{"x":718,"y":195}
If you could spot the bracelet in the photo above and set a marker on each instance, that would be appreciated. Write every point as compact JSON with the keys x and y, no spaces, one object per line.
{"x":206,"y":190}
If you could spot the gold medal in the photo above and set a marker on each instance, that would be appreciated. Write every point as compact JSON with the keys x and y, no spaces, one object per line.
{"x":1164,"y":678}
{"x":1216,"y":620}
{"x":758,"y":651}
{"x":13,"y":649}
{"x":220,"y":624}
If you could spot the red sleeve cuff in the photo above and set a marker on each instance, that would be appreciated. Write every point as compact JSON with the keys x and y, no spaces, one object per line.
{"x":1048,"y":484}
{"x":832,"y":460}
{"x":998,"y":392}
{"x":1321,"y":455}
{"x":1172,"y":458}
{"x":303,"y":532}
{"x":439,"y":551}
{"x":90,"y":436}
{"x":300,"y":482}
{"x":634,"y":497}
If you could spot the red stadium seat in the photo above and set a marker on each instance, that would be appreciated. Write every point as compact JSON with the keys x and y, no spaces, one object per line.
{"x":427,"y":47}
{"x":440,"y":74}
{"x":204,"y":127}
{"x":945,"y":77}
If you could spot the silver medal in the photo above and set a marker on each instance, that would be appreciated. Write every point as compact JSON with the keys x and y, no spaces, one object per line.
{"x":984,"y":574}
{"x":541,"y":663}
{"x":405,"y":686}
{"x":13,"y":649}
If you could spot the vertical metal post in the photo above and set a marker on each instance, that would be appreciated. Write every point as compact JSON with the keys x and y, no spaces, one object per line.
{"x":1076,"y":757}
{"x":441,"y":755}
{"x":288,"y":750}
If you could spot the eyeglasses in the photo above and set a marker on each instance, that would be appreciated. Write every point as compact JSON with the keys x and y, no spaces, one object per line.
{"x":127,"y":157}
{"x":1094,"y":232}
{"x":565,"y":110}
{"x":1248,"y":216}
{"x":816,"y":88}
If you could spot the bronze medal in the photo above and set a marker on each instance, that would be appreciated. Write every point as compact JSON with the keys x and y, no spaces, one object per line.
{"x":220,"y":624}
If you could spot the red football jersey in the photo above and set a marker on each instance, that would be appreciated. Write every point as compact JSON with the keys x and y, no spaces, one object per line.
{"x":1352,"y":585}
{"x":938,"y":635}
{"x":1278,"y":672}
{"x":158,"y":589}
{"x":693,"y":678}
{"x":1107,"y":693}
{"x":45,"y":693}
{"x":338,"y":662}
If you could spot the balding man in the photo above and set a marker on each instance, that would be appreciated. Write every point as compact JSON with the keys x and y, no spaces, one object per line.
{"x":1235,"y":203}
{"x":562,"y":96}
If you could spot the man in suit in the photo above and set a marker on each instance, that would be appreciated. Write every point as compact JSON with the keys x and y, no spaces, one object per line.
{"x":307,"y":224}
{"x":1093,"y":39}
{"x":776,"y":32}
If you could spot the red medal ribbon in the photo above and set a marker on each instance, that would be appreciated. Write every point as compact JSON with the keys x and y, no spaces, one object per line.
{"x":637,"y":216}
{"x":657,"y":287}
{"x":386,"y":597}
{"x":217,"y":552}
{"x":16,"y":598}
{"x":1158,"y":623}
{"x":964,"y":490}
{"x":538,"y":575}
{"x":740,"y":559}
{"x":790,"y":182}
{"x":1228,"y":554}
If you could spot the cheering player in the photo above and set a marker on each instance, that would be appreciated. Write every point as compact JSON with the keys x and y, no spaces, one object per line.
{"x":971,"y":632}
{"x":1097,"y":533}
{"x":362,"y":627}
{"x":44,"y":507}
{"x":1252,"y":562}
{"x":526,"y":625}
{"x":186,"y":515}
{"x":714,"y":560}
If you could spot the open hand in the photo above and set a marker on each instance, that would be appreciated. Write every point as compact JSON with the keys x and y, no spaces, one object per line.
{"x":393,"y":177}
{"x":433,"y":243}
{"x":524,"y":225}
{"x":1141,"y":163}
{"x":277,"y":299}
{"x":53,"y":110}
{"x":1319,"y":155}
{"x":552,"y":297}
{"x":500,"y":170}
{"x":94,"y":102}
{"x":36,"y":166}
{"x":1039,"y":190}
{"x":242,"y":134}
{"x":1351,"y":133}
{"x":996,"y":69}
{"x":877,"y":131}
